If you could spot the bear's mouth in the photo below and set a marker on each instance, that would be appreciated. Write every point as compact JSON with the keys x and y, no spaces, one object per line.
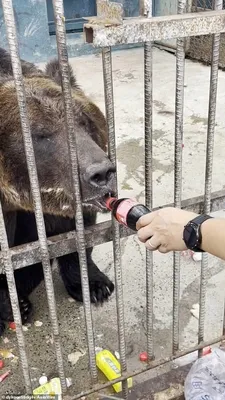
{"x":99,"y":203}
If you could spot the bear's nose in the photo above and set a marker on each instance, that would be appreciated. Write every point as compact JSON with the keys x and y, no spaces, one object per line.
{"x":100,"y":174}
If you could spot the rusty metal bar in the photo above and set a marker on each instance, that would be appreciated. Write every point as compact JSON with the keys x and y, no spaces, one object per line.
{"x":152,"y":365}
{"x":179,"y":109}
{"x":96,"y":235}
{"x":109,"y":105}
{"x":69,"y":114}
{"x":8,"y":266}
{"x":148,"y":180}
{"x":218,"y":5}
{"x":30,"y":158}
{"x":138,"y":30}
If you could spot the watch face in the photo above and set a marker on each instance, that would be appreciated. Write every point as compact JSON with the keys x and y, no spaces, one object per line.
{"x":191,"y":235}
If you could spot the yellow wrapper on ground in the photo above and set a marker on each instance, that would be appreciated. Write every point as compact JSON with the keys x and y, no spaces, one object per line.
{"x":111,"y":368}
{"x":52,"y":388}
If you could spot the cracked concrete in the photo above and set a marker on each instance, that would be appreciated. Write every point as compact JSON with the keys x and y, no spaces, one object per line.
{"x":129,"y":114}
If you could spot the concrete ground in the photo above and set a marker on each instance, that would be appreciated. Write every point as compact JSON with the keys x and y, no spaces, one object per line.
{"x":128,"y":91}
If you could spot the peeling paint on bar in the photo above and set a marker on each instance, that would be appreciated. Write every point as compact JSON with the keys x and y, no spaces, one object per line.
{"x":138,"y":30}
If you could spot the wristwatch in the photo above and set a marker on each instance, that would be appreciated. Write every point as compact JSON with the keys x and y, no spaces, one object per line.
{"x":192,"y":233}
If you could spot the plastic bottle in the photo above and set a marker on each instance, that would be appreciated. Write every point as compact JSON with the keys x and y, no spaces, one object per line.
{"x":126,"y":211}
{"x":206,"y":378}
{"x":111,"y":368}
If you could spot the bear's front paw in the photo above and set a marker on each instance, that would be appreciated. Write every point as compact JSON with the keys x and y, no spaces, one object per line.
{"x":101,"y":288}
{"x":6,"y":313}
{"x":25,"y":309}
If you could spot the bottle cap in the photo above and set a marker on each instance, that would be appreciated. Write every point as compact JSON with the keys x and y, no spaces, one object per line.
{"x":109,"y":202}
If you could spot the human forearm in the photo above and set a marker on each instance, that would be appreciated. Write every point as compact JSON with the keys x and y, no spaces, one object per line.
{"x":213,"y":237}
{"x":163,"y":230}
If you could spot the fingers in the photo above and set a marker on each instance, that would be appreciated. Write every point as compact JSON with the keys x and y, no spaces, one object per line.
{"x":153,"y":243}
{"x":145,"y":220}
{"x":145,"y":233}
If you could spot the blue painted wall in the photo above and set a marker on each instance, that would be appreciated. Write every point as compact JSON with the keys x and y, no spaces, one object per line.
{"x":74,"y":10}
{"x":35,"y":27}
{"x":32,"y":28}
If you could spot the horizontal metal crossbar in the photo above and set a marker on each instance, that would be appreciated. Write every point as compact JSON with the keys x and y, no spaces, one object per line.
{"x":95,"y":235}
{"x":152,"y":365}
{"x":138,"y":30}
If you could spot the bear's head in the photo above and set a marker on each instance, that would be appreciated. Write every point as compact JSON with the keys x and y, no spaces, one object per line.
{"x":48,"y":128}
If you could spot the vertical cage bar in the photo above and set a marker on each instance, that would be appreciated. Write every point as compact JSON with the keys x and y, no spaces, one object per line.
{"x":69,"y":114}
{"x":109,"y":105}
{"x":179,"y":107}
{"x":148,"y":182}
{"x":218,"y":5}
{"x":8,"y":266}
{"x":30,"y":158}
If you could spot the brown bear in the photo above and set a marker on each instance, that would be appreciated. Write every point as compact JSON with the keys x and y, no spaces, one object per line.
{"x":96,"y":172}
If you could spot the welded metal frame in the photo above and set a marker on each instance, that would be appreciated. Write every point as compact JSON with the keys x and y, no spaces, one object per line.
{"x":104,"y":33}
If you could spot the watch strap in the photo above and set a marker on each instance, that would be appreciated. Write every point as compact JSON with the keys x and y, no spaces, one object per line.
{"x":192,"y":232}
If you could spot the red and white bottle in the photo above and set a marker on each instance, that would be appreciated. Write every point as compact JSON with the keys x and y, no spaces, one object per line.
{"x":126,"y":211}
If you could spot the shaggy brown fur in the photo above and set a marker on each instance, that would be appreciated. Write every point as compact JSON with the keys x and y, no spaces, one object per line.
{"x":48,"y":128}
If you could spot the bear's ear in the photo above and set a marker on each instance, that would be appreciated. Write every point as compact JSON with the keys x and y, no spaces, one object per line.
{"x":6,"y":66}
{"x":52,"y":69}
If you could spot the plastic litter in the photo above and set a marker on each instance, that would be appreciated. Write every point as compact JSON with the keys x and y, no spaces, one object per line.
{"x":12,"y":326}
{"x":69,"y":382}
{"x":52,"y":387}
{"x":143,"y":356}
{"x":38,"y":323}
{"x":4,"y":376}
{"x":5,"y":353}
{"x":25,"y":328}
{"x":206,"y":378}
{"x":110,"y":366}
{"x":43,"y":380}
{"x":195,"y":310}
{"x":197,"y":256}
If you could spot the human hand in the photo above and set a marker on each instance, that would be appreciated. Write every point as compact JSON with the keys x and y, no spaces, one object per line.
{"x":162,"y":230}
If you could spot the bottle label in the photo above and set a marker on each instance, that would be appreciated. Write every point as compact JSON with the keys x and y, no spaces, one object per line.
{"x":123,"y":209}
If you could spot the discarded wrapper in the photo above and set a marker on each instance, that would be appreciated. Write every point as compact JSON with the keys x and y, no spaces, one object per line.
{"x":52,"y":387}
{"x":3,"y":376}
{"x":5,"y":353}
{"x":111,"y":368}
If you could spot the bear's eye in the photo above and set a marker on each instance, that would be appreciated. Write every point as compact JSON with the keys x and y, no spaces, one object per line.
{"x":43,"y":137}
{"x":83,"y":123}
{"x":41,"y":133}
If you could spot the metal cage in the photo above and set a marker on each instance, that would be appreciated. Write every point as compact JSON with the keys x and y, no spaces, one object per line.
{"x":105,"y":31}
